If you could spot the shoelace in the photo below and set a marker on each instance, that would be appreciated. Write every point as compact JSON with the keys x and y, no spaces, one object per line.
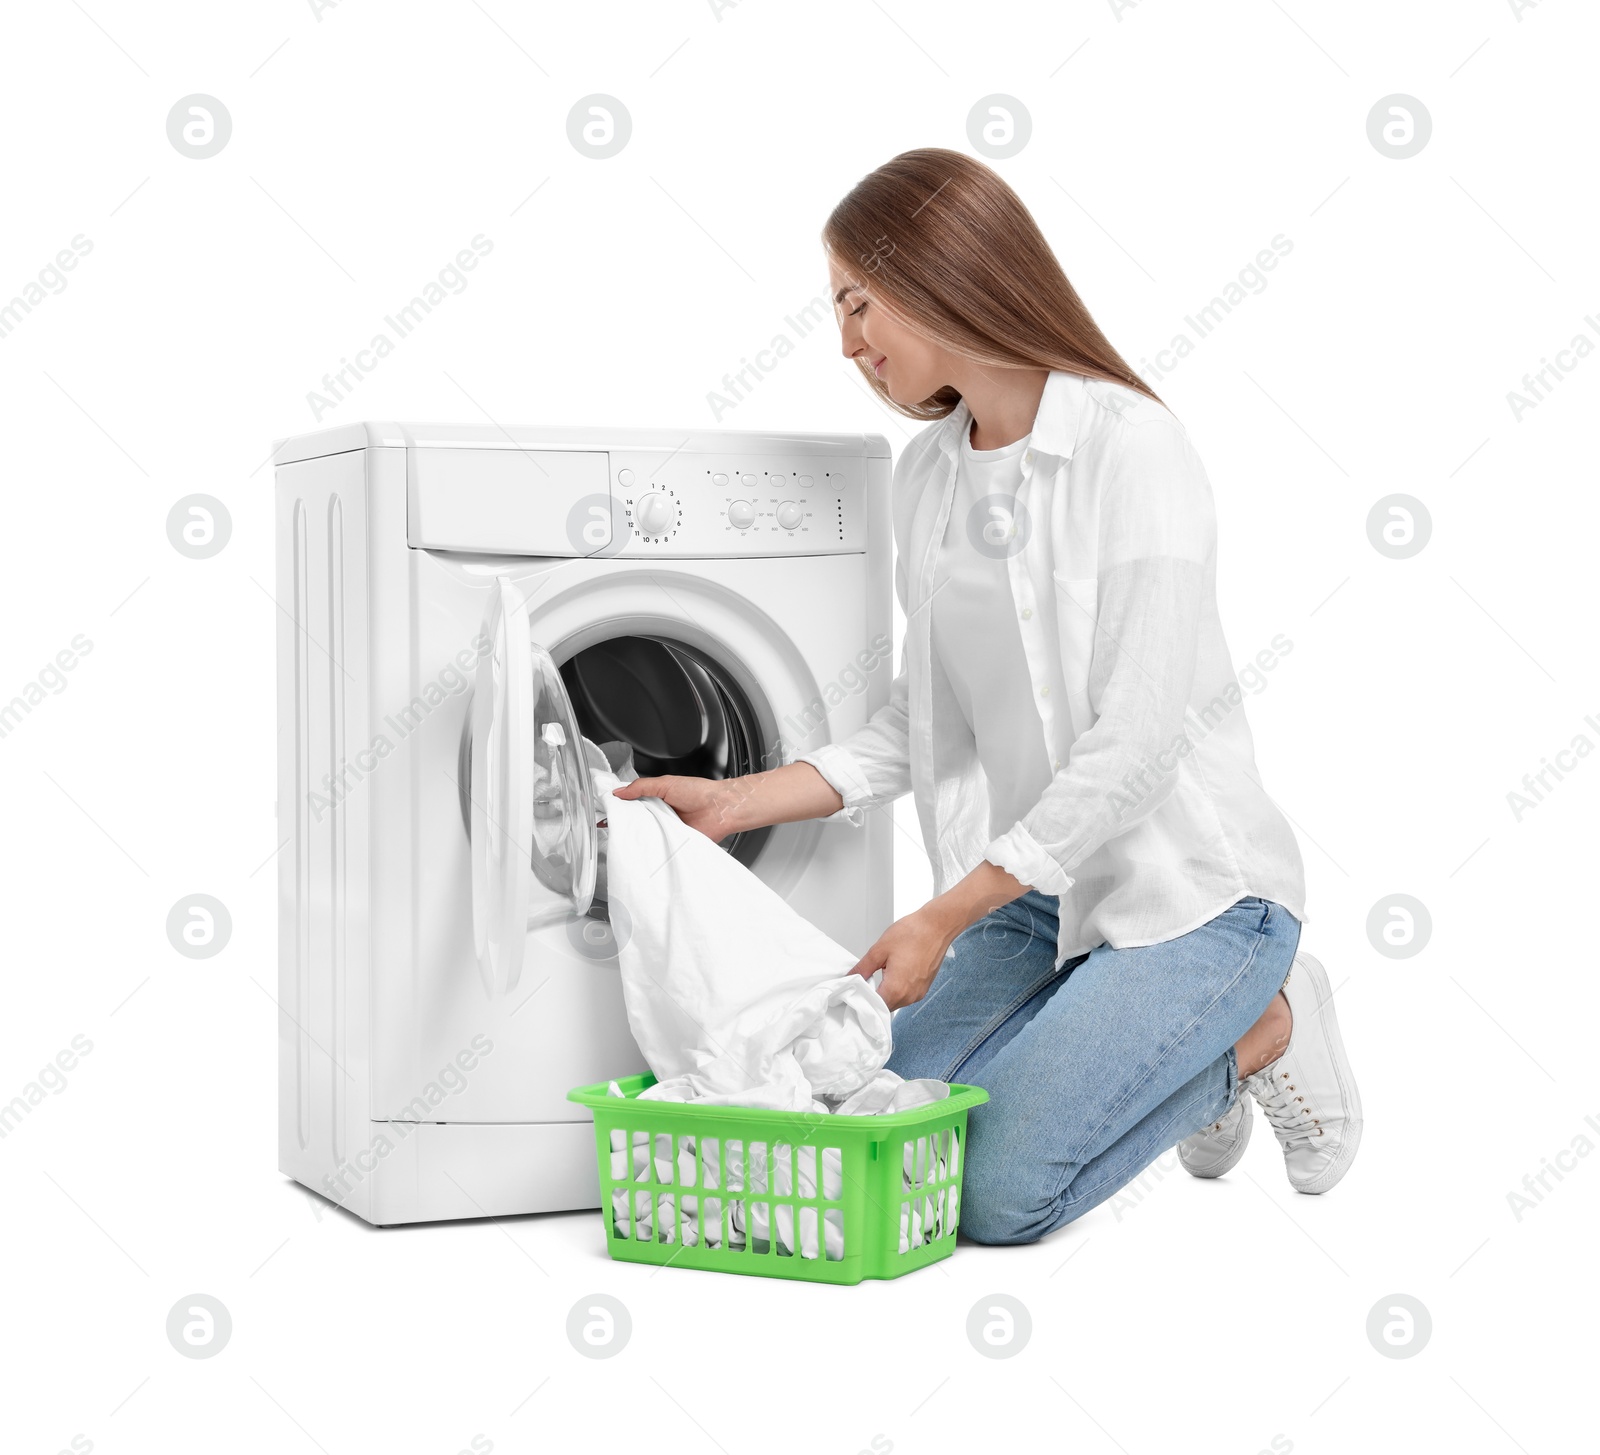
{"x":1286,"y":1109}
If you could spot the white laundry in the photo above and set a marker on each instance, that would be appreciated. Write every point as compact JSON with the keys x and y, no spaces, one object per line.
{"x":737,"y":1000}
{"x":734,"y":1167}
{"x":754,"y":1168}
{"x":734,"y":998}
{"x":927,"y":1163}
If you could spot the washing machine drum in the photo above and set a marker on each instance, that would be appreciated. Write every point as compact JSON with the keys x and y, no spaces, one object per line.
{"x":678,"y":710}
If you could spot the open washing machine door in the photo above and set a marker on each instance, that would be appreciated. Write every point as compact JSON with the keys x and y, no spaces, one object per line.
{"x":534,"y":845}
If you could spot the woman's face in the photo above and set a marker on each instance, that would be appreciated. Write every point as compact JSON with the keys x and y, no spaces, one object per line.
{"x":912,"y":366}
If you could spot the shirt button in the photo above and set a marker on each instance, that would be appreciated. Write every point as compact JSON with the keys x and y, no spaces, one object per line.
{"x":1027,"y":611}
{"x":1058,"y":765}
{"x":1044,"y":692}
{"x":1027,"y":457}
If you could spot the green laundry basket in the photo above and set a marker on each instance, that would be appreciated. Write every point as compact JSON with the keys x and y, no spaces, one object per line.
{"x":830,"y":1199}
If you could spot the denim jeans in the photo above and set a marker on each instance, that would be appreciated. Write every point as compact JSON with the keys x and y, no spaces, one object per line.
{"x":1093,"y":1070}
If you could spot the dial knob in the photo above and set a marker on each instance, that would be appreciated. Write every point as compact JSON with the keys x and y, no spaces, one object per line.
{"x":790,"y":515}
{"x":741,"y":513}
{"x":657,"y":513}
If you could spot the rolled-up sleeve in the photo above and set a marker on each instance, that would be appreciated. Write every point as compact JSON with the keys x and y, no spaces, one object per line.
{"x":1157,"y":552}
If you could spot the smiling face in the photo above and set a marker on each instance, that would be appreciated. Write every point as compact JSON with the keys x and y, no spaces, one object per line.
{"x":912,"y":366}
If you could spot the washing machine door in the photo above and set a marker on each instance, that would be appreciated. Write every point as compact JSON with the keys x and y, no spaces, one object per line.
{"x":534,"y":845}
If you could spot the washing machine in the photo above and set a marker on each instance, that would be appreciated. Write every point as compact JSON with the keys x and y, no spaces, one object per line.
{"x":466,"y":615}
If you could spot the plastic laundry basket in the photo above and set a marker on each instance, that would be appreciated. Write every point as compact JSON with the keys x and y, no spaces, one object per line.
{"x":831,"y":1199}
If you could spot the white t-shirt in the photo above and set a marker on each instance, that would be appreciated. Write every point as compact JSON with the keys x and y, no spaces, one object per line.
{"x":977,"y":645}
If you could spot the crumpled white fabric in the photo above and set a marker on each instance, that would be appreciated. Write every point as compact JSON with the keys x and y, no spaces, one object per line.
{"x":735,"y":999}
{"x":724,"y":1169}
{"x":740,"y":1170}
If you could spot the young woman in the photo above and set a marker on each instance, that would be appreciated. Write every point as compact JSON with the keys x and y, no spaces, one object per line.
{"x":1109,"y":951}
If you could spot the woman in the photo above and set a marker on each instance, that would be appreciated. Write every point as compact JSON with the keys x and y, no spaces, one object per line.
{"x":1119,"y":900}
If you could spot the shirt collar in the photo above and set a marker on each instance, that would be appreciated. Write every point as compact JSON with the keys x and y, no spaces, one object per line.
{"x":1055,"y":427}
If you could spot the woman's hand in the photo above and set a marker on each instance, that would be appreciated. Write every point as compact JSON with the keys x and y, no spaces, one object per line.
{"x":708,"y":804}
{"x":912,"y":949}
{"x":910,"y":953}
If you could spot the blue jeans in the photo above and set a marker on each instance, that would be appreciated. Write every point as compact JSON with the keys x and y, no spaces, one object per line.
{"x":1093,"y":1070}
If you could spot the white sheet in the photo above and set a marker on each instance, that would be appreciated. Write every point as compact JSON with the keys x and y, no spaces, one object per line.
{"x":736,"y":999}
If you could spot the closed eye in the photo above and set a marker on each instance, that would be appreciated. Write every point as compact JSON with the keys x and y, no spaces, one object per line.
{"x":861,"y":309}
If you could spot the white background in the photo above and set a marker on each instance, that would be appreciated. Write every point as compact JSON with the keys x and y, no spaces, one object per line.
{"x":1170,"y":143}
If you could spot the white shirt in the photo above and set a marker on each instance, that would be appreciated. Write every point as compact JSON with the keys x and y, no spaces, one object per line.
{"x":1154,"y":820}
{"x":976,"y":642}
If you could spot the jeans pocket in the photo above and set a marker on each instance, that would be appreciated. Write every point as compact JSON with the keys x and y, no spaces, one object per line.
{"x":1256,"y":911}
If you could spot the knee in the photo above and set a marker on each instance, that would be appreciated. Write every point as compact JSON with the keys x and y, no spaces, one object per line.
{"x":1008,"y":1198}
{"x":989,"y":1216}
{"x":995,"y":1223}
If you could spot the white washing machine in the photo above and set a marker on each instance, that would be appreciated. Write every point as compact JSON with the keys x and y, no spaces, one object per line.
{"x":458,"y":607}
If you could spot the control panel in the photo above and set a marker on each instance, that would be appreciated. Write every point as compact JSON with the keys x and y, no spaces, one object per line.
{"x":703,"y":505}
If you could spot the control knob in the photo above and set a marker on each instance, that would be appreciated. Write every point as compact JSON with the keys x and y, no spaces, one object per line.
{"x":790,"y":514}
{"x":657,"y":513}
{"x":741,"y":514}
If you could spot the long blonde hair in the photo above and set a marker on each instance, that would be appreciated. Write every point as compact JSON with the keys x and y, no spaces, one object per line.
{"x":952,"y":252}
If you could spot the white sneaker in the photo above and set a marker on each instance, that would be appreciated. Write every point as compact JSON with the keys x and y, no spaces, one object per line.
{"x":1309,"y":1093}
{"x":1213,"y":1150}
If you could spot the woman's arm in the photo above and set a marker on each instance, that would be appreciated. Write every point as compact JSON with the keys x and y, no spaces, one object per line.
{"x":1157,"y":551}
{"x":912,"y":949}
{"x":719,"y":807}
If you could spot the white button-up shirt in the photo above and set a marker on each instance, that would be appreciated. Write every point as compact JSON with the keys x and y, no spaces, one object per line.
{"x":1155,"y":820}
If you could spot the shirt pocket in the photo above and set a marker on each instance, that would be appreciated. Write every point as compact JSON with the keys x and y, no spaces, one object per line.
{"x":1077,"y":599}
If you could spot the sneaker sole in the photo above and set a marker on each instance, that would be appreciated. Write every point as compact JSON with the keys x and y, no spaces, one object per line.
{"x":1339,"y":1166}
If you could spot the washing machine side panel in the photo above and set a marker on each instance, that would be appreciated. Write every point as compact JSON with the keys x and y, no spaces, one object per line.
{"x":323,"y":721}
{"x":401,"y":865}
